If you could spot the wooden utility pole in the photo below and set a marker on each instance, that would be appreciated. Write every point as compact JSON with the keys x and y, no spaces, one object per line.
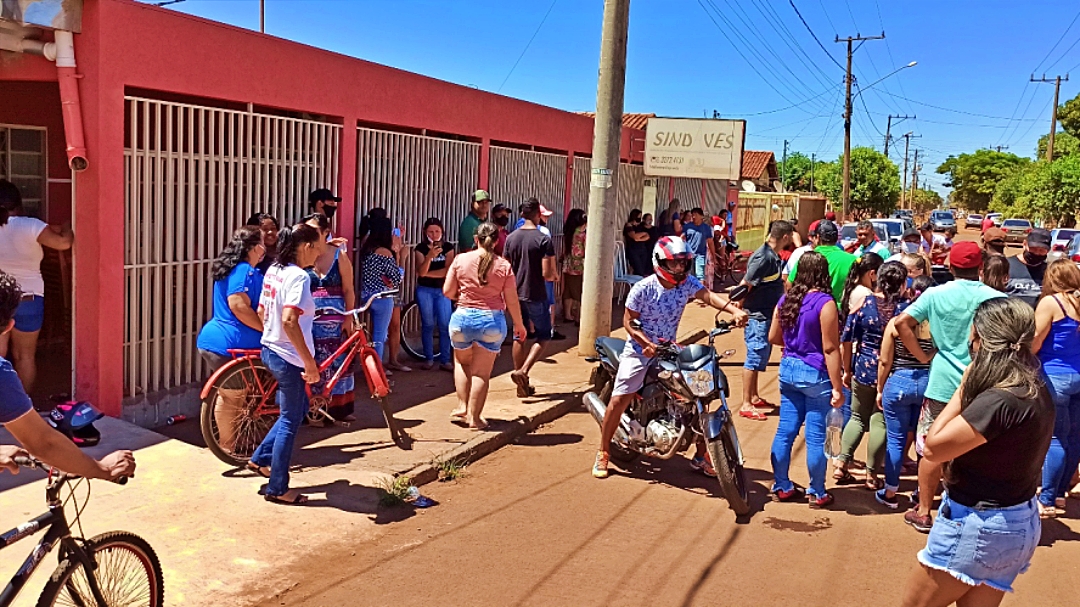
{"x":846,"y":195}
{"x":813,"y":161}
{"x":914,"y":174}
{"x":903,"y":190}
{"x":888,"y":129}
{"x":1053,"y":112}
{"x":262,"y":16}
{"x":783,"y":171}
{"x":607,"y":135}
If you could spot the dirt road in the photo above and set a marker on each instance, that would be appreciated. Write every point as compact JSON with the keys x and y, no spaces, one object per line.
{"x":530,"y":526}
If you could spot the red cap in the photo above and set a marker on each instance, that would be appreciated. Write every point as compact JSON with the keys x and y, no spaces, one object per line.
{"x":965,"y":255}
{"x":813,"y":228}
{"x":831,"y":216}
{"x":716,"y":220}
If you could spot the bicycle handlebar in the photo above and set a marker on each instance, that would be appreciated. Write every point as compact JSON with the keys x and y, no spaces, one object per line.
{"x":36,"y":464}
{"x":361,"y":309}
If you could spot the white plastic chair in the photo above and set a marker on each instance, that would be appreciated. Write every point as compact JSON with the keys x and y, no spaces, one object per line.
{"x":622,"y":271}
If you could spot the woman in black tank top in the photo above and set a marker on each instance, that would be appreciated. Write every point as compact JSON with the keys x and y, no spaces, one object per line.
{"x":432,"y":258}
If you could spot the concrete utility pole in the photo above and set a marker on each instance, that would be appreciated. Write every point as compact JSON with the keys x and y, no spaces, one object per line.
{"x":888,"y":129}
{"x":903,"y":190}
{"x":914,"y":174}
{"x":1053,"y":112}
{"x":783,"y":171}
{"x":607,"y":134}
{"x":846,"y":195}
{"x":998,"y":147}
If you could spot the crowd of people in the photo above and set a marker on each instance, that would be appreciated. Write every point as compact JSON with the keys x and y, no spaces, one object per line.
{"x":970,"y":356}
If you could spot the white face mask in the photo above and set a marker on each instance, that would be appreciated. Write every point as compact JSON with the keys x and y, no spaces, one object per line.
{"x":910,"y":247}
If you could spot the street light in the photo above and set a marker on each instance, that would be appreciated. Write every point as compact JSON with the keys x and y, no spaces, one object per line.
{"x":872,"y":84}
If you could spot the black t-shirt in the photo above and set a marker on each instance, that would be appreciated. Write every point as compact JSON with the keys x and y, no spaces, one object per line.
{"x":1006,"y":469}
{"x":766,"y":288}
{"x":628,"y":234}
{"x":525,"y":250}
{"x":437,"y":263}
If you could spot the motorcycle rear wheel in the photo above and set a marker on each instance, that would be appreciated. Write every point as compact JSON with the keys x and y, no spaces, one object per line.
{"x":729,"y":472}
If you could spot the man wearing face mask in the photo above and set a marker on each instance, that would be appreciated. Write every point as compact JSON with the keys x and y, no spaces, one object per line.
{"x":1026,"y":269}
{"x":500,"y":216}
{"x":324,"y":202}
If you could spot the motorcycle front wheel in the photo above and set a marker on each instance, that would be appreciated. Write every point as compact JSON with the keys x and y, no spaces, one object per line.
{"x":730,"y":473}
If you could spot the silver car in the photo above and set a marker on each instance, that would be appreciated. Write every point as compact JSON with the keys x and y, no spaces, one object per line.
{"x":941,"y":220}
{"x":1016,"y":230}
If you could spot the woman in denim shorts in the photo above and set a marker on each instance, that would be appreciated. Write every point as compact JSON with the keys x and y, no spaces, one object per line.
{"x":483,"y":285}
{"x":993,"y":434}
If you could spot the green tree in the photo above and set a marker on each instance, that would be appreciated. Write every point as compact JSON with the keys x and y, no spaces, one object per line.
{"x":1042,"y":190}
{"x":974,"y":177}
{"x":924,"y":201}
{"x":1069,"y":116}
{"x":875,"y":182}
{"x":795,"y":172}
{"x":1064,"y":144}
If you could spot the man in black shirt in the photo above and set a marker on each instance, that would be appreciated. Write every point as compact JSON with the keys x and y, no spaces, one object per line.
{"x":1026,"y":269}
{"x":766,"y":287}
{"x":532,"y":256}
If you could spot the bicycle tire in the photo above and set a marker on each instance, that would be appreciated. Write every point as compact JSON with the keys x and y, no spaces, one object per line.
{"x":105,"y":551}
{"x":243,"y":376}
{"x":411,"y":340}
{"x":738,"y":270}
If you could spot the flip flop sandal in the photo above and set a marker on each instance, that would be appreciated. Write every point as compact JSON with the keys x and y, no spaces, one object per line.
{"x":276,"y":499}
{"x":845,"y":478}
{"x":761,"y":402}
{"x":874,"y":484}
{"x":753,"y":414}
{"x":251,"y":467}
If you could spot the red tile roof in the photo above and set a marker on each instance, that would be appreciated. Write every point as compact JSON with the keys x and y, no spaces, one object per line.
{"x":754,"y":164}
{"x":630,"y":121}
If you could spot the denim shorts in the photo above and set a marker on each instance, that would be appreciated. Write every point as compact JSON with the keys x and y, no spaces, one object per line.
{"x":470,"y":326}
{"x":989,"y":547}
{"x":758,"y":348}
{"x":30,"y":315}
{"x":930,"y":410}
{"x":540,"y":315}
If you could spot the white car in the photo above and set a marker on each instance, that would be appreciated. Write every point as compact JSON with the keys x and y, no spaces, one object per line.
{"x":1060,"y":240}
{"x":847,"y":233}
{"x":973,"y":221}
{"x":997,"y":218}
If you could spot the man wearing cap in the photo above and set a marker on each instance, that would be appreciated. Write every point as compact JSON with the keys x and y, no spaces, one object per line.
{"x":840,"y":261}
{"x":324,"y":202}
{"x":1026,"y":269}
{"x":478,"y":213}
{"x":949,"y":308}
{"x":994,"y":241}
{"x":831,"y":216}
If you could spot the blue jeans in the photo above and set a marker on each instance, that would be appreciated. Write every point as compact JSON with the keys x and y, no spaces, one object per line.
{"x":435,"y":310}
{"x":902,"y":400}
{"x":277,"y":448}
{"x":804,"y":397}
{"x":1064,"y":454}
{"x":699,"y":266}
{"x":758,"y":349}
{"x":382,"y":310}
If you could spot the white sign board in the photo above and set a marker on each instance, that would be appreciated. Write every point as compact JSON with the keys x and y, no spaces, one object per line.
{"x":694,"y":147}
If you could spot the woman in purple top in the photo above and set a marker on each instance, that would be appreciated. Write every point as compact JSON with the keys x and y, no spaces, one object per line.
{"x":806,"y":324}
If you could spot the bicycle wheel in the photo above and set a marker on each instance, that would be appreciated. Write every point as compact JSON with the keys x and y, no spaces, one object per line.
{"x":738,"y":268}
{"x":410,"y":331}
{"x":127,"y":573}
{"x":239,"y":411}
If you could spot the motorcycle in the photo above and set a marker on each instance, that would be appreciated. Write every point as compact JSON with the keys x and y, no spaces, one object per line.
{"x":672,"y":407}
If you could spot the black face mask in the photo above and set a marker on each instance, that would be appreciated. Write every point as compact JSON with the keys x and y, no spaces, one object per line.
{"x":502,"y":221}
{"x":1034,"y":260}
{"x":329,"y":211}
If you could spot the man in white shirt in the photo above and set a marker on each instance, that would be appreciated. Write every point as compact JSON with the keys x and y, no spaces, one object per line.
{"x":21,"y":239}
{"x":932,"y":245}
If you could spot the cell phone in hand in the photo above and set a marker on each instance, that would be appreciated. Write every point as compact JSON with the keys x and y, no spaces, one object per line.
{"x":397,"y":232}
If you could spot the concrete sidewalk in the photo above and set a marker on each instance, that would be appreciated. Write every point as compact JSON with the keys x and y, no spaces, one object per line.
{"x":220,"y":543}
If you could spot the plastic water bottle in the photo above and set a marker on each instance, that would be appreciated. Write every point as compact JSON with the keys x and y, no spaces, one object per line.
{"x":412,"y":494}
{"x":834,"y":429}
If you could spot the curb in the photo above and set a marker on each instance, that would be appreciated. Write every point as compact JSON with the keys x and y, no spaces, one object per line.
{"x":488,"y":442}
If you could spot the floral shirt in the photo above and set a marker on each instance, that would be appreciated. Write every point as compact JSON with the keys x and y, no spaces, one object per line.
{"x":660,"y":309}
{"x":575,"y":262}
{"x":867,"y":327}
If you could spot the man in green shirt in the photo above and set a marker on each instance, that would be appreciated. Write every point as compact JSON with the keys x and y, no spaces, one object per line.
{"x":477,"y":215}
{"x":949,"y":309}
{"x":840,"y":261}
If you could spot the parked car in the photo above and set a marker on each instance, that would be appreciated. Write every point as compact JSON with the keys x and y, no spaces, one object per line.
{"x":894,"y":230}
{"x":1060,"y":241}
{"x":973,"y":221}
{"x":1016,"y":230}
{"x":1072,"y":250}
{"x":847,"y":234}
{"x":941,"y":220}
{"x":996,"y":218}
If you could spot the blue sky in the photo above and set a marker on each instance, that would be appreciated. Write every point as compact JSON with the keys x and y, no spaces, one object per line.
{"x":741,"y":58}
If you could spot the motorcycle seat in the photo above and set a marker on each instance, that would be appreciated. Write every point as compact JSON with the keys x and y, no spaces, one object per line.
{"x":610,"y":347}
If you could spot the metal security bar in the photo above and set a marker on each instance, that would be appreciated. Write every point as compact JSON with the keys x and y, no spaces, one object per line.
{"x":688,"y":191}
{"x":517,"y":175}
{"x":415,"y":177}
{"x":193,"y":175}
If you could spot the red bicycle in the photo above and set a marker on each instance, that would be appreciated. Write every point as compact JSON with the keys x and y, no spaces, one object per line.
{"x":238,"y":405}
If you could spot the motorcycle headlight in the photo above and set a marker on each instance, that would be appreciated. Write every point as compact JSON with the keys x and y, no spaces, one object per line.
{"x":700,"y":382}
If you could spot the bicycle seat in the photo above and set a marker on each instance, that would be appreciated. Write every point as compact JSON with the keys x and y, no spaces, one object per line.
{"x":610,"y":347}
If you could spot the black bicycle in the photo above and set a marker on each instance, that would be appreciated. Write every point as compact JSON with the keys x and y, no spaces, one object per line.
{"x":108,"y":570}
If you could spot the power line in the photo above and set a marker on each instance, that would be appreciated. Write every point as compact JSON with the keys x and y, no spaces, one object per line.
{"x":945,"y":109}
{"x":527,"y":45}
{"x":1051,"y":51}
{"x":788,"y":107}
{"x":792,"y":2}
{"x":773,"y":18}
